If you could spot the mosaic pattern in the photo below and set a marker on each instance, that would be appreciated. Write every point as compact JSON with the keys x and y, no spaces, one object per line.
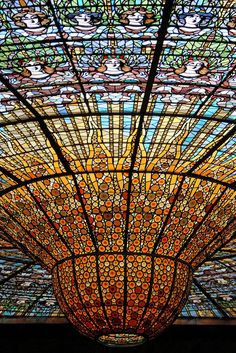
{"x":199,"y":304}
{"x":118,"y":152}
{"x":228,"y":251}
{"x":220,"y":280}
{"x":20,"y":292}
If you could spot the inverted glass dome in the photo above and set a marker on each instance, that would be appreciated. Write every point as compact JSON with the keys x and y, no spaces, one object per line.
{"x":117,"y":165}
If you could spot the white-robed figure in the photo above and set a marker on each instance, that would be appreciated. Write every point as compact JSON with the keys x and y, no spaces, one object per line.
{"x":228,"y":29}
{"x":137,"y":23}
{"x":36,"y":70}
{"x":193,"y":68}
{"x":114,"y":68}
{"x":30,"y":25}
{"x":137,"y":20}
{"x":191,"y":24}
{"x":85,"y":31}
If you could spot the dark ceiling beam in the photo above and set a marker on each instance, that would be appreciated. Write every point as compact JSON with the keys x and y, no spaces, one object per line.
{"x":232,"y":269}
{"x":212,"y":300}
{"x":16,"y":273}
{"x":6,"y":247}
{"x":58,"y":85}
{"x":199,"y":224}
{"x":38,"y":204}
{"x":157,"y":242}
{"x":154,"y":250}
{"x":209,"y":257}
{"x":66,"y":305}
{"x":35,"y":302}
{"x":130,"y":253}
{"x":162,"y":32}
{"x":223,"y":140}
{"x":57,"y":40}
{"x":14,"y":260}
{"x":26,"y":182}
{"x":58,"y":175}
{"x":80,"y":296}
{"x":55,"y":147}
{"x":19,"y":245}
{"x":11,"y":217}
{"x":216,"y":87}
{"x":9,"y":174}
{"x":184,"y":321}
{"x":229,"y":256}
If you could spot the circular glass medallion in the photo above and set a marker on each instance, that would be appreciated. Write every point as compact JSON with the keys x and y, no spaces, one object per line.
{"x":121,"y":339}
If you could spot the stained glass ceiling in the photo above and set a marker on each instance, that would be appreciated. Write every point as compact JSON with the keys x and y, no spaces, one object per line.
{"x":26,"y":290}
{"x":104,"y":101}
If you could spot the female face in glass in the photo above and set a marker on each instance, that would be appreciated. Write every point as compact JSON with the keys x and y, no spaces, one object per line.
{"x":36,"y":70}
{"x":135,"y":19}
{"x":34,"y":67}
{"x":84,"y":19}
{"x":113,"y":65}
{"x":193,"y":68}
{"x":192,"y":20}
{"x":194,"y":65}
{"x":31,"y":20}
